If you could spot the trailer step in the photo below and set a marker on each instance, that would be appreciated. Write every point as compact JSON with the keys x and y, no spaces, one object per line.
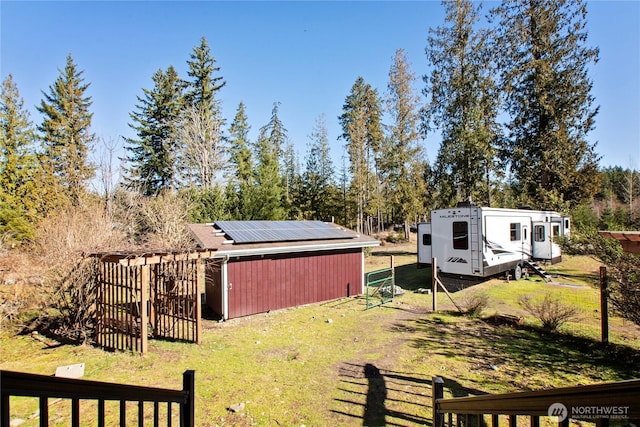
{"x":538,"y":270}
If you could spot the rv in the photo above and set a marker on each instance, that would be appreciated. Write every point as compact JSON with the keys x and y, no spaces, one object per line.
{"x":471,"y":241}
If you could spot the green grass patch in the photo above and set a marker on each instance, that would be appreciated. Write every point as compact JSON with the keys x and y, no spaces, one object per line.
{"x":337,"y":363}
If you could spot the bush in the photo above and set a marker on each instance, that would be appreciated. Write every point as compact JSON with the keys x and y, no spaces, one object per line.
{"x":394,"y":237}
{"x":550,"y":311}
{"x":473,"y":304}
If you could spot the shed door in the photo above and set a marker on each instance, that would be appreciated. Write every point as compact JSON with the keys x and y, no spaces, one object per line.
{"x":213,"y":283}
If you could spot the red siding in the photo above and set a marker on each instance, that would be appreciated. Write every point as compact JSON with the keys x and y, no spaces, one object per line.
{"x":260,"y":284}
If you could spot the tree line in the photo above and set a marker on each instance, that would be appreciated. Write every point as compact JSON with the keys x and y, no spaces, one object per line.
{"x":508,"y":93}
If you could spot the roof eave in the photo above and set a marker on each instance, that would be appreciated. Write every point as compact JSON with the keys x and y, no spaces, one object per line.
{"x":297,"y":248}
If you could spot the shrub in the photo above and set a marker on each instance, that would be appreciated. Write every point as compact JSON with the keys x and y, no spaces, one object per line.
{"x":550,"y":311}
{"x":473,"y":304}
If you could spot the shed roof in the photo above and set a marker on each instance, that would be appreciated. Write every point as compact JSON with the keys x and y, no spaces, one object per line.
{"x":211,"y":237}
{"x":630,"y":240}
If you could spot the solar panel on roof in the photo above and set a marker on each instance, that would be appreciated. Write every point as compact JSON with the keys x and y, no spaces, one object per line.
{"x":281,"y":231}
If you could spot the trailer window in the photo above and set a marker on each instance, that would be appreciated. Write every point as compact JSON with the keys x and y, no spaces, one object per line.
{"x":426,"y":240}
{"x":515,"y":231}
{"x":538,"y":233}
{"x":556,"y":230}
{"x":460,"y":235}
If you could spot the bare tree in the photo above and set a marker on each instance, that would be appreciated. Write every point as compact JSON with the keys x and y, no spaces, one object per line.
{"x":201,"y":159}
{"x":108,"y":173}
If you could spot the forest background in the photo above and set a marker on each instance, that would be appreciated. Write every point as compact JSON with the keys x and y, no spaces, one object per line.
{"x":513,"y":131}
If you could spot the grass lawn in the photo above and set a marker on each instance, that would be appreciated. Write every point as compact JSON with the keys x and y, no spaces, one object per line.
{"x":338,"y":364}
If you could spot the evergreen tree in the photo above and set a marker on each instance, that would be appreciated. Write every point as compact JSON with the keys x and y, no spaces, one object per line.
{"x":202,"y":157}
{"x":544,"y":75}
{"x":241,"y":181}
{"x":18,"y":167}
{"x":292,"y":183}
{"x":269,"y":192}
{"x":462,"y":105}
{"x":402,"y":154}
{"x":66,"y":133}
{"x":204,"y":84}
{"x":319,"y":191}
{"x":152,"y":154}
{"x":362,"y":131}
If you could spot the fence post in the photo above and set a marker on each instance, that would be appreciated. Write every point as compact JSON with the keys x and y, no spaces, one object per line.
{"x":187,"y":410}
{"x":604,"y":305}
{"x":393,"y":277}
{"x":434,"y":282}
{"x":437,"y":392}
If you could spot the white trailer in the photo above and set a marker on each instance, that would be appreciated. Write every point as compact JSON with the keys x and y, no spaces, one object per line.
{"x":473,"y":241}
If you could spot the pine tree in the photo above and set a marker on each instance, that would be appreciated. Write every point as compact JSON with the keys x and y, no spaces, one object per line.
{"x":66,"y":133}
{"x":241,"y":181}
{"x":401,"y":161}
{"x":269,"y":191}
{"x":204,"y":84}
{"x":19,"y":199}
{"x":320,"y":194}
{"x":544,"y":75}
{"x":462,"y":105}
{"x":201,"y":160}
{"x":152,"y":154}
{"x":362,"y":131}
{"x":292,"y":183}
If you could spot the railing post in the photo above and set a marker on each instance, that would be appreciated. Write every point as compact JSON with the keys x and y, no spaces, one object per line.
{"x":604,"y":306}
{"x":187,"y":410}
{"x":437,"y":392}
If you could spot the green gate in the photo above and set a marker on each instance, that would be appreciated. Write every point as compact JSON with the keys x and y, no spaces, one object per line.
{"x":380,"y":287}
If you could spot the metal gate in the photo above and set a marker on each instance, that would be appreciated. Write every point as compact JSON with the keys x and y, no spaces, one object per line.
{"x":154,"y":296}
{"x":380,"y":287}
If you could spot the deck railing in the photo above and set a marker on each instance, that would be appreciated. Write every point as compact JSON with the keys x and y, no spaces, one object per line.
{"x":598,"y":403}
{"x":76,"y":390}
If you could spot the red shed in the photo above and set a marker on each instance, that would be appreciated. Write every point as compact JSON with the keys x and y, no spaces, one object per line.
{"x":267,"y":265}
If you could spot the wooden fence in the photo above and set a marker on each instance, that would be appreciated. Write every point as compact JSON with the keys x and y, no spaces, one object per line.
{"x":44,"y":388}
{"x":155,"y":295}
{"x":598,"y":403}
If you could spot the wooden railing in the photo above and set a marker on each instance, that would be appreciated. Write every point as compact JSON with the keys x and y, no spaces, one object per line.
{"x":598,"y":403}
{"x":48,"y":387}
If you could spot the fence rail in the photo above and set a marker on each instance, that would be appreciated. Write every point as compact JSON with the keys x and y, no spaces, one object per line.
{"x":46,"y":387}
{"x":598,"y":402}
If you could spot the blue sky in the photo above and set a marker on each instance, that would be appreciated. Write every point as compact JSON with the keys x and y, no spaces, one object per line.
{"x":305,"y":55}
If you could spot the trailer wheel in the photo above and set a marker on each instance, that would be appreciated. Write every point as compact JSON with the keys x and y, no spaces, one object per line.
{"x":517,"y":272}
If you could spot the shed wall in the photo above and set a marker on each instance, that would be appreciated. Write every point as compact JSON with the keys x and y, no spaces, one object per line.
{"x":262,"y":283}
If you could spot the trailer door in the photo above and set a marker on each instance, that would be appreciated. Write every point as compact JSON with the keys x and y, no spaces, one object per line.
{"x":543,"y":244}
{"x":526,"y":242}
{"x":425,"y":254}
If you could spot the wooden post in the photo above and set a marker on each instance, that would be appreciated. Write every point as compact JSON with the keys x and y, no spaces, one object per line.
{"x":393,"y":277}
{"x":200,"y":284}
{"x":437,"y":392}
{"x":144,"y":313}
{"x":434,"y":282}
{"x":604,"y":305}
{"x":187,"y":410}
